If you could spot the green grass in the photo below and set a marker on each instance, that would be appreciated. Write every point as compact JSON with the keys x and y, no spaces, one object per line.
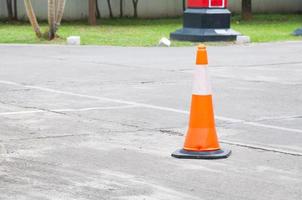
{"x":269,"y":28}
{"x":143,"y":32}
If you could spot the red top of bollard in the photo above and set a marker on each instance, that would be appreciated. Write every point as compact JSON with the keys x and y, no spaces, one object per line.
{"x":207,"y":3}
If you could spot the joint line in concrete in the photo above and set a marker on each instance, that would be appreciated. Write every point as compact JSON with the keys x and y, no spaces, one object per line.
{"x":60,"y":111}
{"x":227,"y":119}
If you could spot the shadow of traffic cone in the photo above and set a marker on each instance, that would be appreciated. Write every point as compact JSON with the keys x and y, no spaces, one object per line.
{"x":201,"y":141}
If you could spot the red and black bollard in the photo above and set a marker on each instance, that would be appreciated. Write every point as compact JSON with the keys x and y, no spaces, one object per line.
{"x":206,"y":20}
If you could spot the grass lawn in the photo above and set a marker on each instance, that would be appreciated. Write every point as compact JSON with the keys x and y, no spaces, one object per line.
{"x":142,"y":32}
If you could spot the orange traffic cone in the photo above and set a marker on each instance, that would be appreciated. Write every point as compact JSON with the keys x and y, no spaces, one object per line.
{"x":201,"y":140}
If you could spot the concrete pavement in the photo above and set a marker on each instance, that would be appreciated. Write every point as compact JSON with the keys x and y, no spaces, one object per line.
{"x":101,"y":123}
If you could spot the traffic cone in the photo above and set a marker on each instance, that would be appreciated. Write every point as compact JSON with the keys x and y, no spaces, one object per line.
{"x":201,"y":141}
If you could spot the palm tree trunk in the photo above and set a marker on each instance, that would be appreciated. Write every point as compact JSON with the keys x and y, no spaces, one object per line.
{"x":51,"y":19}
{"x":60,"y":11}
{"x":32,"y":18}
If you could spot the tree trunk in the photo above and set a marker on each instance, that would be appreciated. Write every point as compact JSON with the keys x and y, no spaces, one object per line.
{"x":110,"y":9}
{"x":92,"y":12}
{"x":32,"y":17}
{"x":55,"y":14}
{"x":9,"y":9}
{"x":98,"y":13}
{"x":15,"y":17}
{"x":135,"y":3}
{"x":51,"y":19}
{"x":246,"y":12}
{"x":121,"y":8}
{"x":59,"y":12}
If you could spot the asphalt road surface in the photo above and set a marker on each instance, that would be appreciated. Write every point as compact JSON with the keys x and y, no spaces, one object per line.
{"x":100,"y":123}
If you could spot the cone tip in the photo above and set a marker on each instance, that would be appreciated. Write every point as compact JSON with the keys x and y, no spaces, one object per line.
{"x":202,"y":57}
{"x":201,"y":46}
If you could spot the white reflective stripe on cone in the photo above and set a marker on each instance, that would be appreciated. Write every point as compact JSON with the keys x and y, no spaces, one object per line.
{"x":202,"y":85}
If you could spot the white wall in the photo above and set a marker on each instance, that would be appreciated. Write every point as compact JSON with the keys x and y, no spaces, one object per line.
{"x":77,"y":9}
{"x":264,"y":6}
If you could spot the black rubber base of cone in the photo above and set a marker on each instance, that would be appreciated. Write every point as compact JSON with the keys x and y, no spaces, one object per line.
{"x":298,"y":32}
{"x":181,"y":153}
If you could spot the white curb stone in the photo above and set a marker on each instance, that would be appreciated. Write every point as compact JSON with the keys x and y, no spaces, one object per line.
{"x":74,"y":40}
{"x":164,"y":42}
{"x":243,"y":39}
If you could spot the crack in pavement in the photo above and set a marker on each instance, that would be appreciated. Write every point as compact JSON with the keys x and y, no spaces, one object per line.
{"x":150,"y":106}
{"x":171,"y":132}
{"x":46,"y":137}
{"x":258,"y":65}
{"x":268,"y":149}
{"x":278,"y":118}
{"x":35,"y":108}
{"x":240,"y":66}
{"x":45,"y":110}
{"x":249,"y":146}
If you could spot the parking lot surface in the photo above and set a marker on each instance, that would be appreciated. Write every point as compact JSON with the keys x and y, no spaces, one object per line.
{"x":101,"y":123}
